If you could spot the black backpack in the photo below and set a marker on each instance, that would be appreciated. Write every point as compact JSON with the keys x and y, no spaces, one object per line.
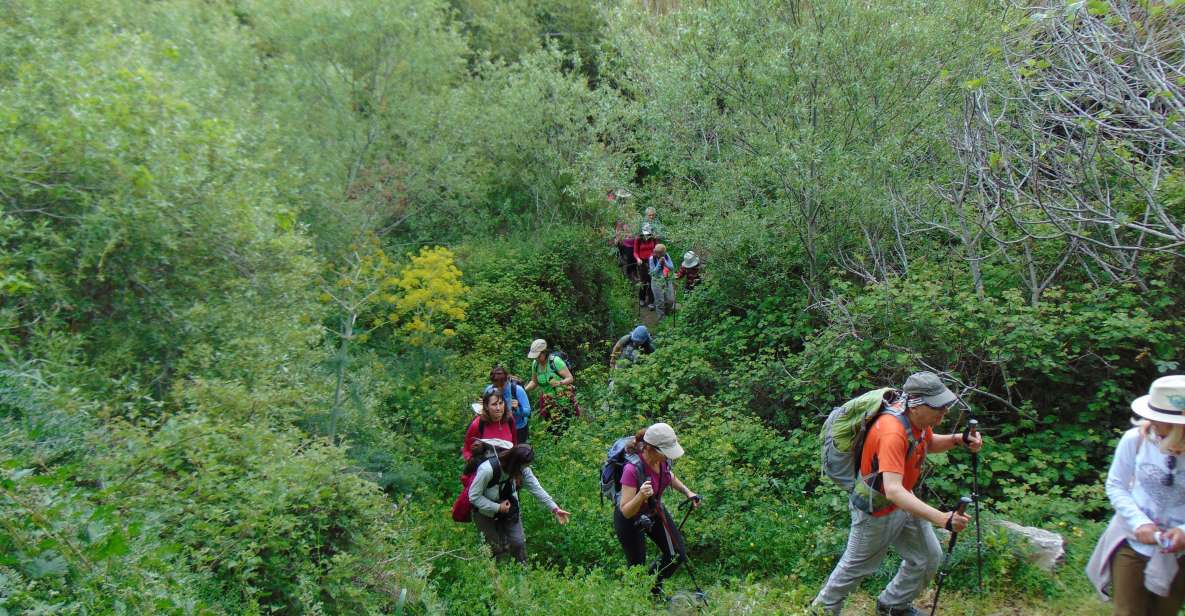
{"x":616,"y":458}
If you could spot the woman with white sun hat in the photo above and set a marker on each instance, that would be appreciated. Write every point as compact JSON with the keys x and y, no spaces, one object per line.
{"x":1135,"y":562}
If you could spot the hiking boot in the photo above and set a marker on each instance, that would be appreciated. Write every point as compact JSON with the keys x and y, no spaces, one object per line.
{"x":641,"y":302}
{"x":650,"y":306}
{"x":908,"y":610}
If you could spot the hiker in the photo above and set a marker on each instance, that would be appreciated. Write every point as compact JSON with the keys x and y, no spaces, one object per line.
{"x":1137,"y":557}
{"x":494,"y":497}
{"x":630,"y":345}
{"x":551,"y":375}
{"x":661,"y":268}
{"x":643,"y":250}
{"x":516,"y":399}
{"x":623,"y":236}
{"x":640,"y":512}
{"x":884,"y":510}
{"x":689,"y":271}
{"x":651,"y":218}
{"x":492,"y":421}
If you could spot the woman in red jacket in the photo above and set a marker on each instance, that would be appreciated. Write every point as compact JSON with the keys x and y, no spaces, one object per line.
{"x":492,"y":421}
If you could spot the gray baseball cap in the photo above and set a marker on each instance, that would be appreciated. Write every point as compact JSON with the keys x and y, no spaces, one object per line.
{"x":928,"y":387}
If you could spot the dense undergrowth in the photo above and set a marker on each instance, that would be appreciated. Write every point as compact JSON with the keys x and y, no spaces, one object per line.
{"x":234,"y":372}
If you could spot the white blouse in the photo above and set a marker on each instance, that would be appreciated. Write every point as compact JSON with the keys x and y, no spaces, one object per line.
{"x":1136,"y":486}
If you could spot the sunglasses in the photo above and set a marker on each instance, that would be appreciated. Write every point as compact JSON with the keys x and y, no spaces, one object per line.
{"x":1171,"y":463}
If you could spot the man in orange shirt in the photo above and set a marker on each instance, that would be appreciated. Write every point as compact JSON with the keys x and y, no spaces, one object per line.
{"x":885,"y":511}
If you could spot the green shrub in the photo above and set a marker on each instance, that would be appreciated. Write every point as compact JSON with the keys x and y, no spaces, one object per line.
{"x":558,"y":285}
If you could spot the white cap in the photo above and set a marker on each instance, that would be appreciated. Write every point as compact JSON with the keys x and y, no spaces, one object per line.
{"x":537,"y":347}
{"x":661,"y":436}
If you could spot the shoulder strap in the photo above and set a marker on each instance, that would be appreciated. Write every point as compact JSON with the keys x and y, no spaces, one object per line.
{"x":640,"y":471}
{"x":909,"y":437}
{"x":551,"y":362}
{"x":641,"y":475}
{"x":495,"y":469}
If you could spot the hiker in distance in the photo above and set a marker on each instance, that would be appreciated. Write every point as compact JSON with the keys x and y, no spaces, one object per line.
{"x":492,"y":421}
{"x":643,"y":249}
{"x":640,"y":513}
{"x":550,"y":373}
{"x":494,"y":496}
{"x":650,"y":217}
{"x":516,"y":399}
{"x":631,"y":345}
{"x":1136,"y":560}
{"x":662,"y":287}
{"x":888,"y":444}
{"x":689,"y":271}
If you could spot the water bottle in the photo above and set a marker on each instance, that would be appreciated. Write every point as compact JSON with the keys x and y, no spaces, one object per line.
{"x":1163,"y":540}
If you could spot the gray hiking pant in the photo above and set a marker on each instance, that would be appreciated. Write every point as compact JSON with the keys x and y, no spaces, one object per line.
{"x":505,"y":537}
{"x":664,"y":295}
{"x":868,"y":542}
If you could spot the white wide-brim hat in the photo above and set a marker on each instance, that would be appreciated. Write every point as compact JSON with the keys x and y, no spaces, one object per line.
{"x":1165,"y":401}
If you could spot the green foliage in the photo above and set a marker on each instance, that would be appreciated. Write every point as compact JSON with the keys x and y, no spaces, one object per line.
{"x":771,"y":130}
{"x":177,"y":177}
{"x":508,"y":30}
{"x":135,"y":219}
{"x":552,"y":287}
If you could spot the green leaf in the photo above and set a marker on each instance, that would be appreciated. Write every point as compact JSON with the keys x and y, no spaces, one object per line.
{"x":115,"y":545}
{"x":1097,"y":8}
{"x":47,"y":564}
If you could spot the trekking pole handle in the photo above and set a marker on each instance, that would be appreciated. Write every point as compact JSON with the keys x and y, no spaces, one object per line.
{"x":691,"y":499}
{"x":961,"y":509}
{"x":972,"y":428}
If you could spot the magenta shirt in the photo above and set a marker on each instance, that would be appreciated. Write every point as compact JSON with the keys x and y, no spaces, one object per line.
{"x":629,"y":478}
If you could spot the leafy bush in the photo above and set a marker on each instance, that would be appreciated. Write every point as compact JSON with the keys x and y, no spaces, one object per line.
{"x":560,"y":286}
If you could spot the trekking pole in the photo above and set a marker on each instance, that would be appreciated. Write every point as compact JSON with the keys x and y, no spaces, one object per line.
{"x":689,"y":505}
{"x":973,"y":429}
{"x":954,"y":536}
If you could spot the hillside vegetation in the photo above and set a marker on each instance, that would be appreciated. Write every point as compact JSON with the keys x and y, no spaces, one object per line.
{"x":258,"y":256}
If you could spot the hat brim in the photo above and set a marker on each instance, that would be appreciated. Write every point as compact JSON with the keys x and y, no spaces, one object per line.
{"x":674,"y":451}
{"x":534,"y":354}
{"x":497,"y":443}
{"x":1140,"y":407}
{"x":942,"y":400}
{"x":691,"y":263}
